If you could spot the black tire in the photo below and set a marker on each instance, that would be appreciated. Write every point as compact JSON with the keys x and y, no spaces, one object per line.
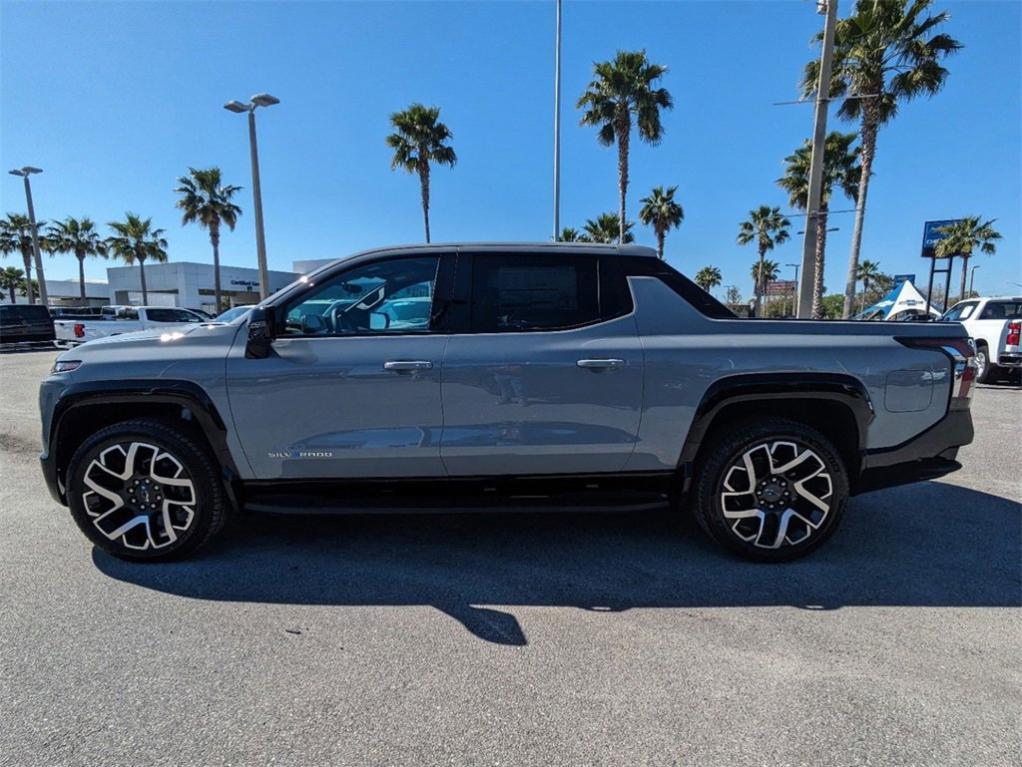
{"x":987,"y":372}
{"x":786,"y":494}
{"x":164,"y":448}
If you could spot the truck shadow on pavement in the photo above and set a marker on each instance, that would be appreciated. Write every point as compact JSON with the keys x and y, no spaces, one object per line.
{"x":930,"y":544}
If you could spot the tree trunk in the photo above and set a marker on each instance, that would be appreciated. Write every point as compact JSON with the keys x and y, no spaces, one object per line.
{"x":965,"y":274}
{"x":660,"y":243}
{"x":821,"y":245}
{"x":214,"y":238}
{"x":759,"y":282}
{"x":81,"y":275}
{"x":29,"y":292}
{"x":141,"y":272}
{"x":623,"y":128}
{"x":424,"y":183}
{"x":10,"y":287}
{"x":867,"y":152}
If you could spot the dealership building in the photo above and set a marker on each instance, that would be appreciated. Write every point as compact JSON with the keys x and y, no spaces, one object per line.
{"x":174,"y":283}
{"x":190,"y":284}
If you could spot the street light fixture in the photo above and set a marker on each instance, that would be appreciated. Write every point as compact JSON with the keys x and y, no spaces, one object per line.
{"x":25,"y":172}
{"x":258,"y":100}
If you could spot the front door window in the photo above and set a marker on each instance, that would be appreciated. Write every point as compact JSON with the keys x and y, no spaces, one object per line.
{"x":394,"y":296}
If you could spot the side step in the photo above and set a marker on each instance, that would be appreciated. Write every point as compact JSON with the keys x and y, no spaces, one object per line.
{"x":519,"y":494}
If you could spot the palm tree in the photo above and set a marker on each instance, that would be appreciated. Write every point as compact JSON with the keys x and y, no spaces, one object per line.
{"x":660,"y":211}
{"x":570,"y":235}
{"x":883,"y":54}
{"x":419,"y":140}
{"x":767,"y":227}
{"x":622,"y":88}
{"x":606,"y":229}
{"x":206,"y":201}
{"x":11,"y":279}
{"x":965,"y":236}
{"x":28,"y":287}
{"x":78,"y":236}
{"x":840,"y":168}
{"x":16,"y":237}
{"x":867,"y":272}
{"x":135,"y":241}
{"x":708,"y":278}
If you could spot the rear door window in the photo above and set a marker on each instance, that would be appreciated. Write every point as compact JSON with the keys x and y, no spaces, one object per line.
{"x":1002,"y":310}
{"x":171,"y":315}
{"x":520,"y":293}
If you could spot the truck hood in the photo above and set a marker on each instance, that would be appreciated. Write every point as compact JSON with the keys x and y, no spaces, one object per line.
{"x":166,"y":336}
{"x":145,"y":349}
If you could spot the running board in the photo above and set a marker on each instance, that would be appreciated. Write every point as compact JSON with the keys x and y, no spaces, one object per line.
{"x":520,"y":494}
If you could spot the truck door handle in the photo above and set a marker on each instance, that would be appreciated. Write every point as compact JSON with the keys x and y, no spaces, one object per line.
{"x":407,"y":365}
{"x":603,"y":364}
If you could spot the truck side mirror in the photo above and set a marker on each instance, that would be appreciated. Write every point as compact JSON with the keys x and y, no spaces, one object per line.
{"x":260,"y":334}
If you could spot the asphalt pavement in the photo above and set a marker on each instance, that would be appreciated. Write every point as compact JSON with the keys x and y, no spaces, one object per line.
{"x":518,"y":639}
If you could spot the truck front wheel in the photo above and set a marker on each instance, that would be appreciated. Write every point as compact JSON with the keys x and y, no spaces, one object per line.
{"x":145,"y":490}
{"x":770,"y":489}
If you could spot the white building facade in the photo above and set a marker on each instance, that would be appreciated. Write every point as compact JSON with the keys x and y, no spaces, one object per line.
{"x":190,"y":285}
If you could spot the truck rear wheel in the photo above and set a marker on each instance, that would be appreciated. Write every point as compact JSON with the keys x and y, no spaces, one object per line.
{"x":770,"y":489}
{"x":986,"y":371}
{"x":145,"y":490}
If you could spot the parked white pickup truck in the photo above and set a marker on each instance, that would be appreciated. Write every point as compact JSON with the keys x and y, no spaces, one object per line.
{"x":994,"y":324}
{"x":115,"y":320}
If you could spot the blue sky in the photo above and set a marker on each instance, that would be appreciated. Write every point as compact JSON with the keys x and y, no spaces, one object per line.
{"x":115,"y":100}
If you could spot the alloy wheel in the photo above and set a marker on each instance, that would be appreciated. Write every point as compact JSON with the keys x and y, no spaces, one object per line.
{"x":981,"y":363}
{"x":140,"y":495}
{"x":776,"y":494}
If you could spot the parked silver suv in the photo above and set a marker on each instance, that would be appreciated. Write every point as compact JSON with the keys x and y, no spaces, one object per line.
{"x":489,"y":376}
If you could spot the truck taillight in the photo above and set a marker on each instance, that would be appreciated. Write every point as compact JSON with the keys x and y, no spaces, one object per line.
{"x":1014,"y":331}
{"x":79,"y":330}
{"x":962,"y":353}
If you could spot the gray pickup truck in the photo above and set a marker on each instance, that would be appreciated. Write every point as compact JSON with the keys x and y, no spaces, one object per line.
{"x":456,"y":377}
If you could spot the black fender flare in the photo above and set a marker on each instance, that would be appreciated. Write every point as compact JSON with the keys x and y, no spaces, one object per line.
{"x":751,"y":387}
{"x":186,"y":394}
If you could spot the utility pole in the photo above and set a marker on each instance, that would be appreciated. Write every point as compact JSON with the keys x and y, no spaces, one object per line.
{"x":805,"y":287}
{"x":972,"y":279}
{"x":557,"y":127}
{"x":25,"y":172}
{"x":794,"y":298}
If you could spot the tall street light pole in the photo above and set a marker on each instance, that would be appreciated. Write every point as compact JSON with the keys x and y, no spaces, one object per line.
{"x":805,"y":287}
{"x":972,"y":279}
{"x":259,"y":100}
{"x":25,"y":172}
{"x":557,"y":127}
{"x":794,"y":298}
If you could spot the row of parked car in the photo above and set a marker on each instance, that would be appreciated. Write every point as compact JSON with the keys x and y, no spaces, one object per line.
{"x":26,"y":325}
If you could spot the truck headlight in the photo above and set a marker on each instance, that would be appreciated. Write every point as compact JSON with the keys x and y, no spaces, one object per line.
{"x":65,"y":366}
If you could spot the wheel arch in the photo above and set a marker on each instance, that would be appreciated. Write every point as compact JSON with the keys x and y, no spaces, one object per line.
{"x":86,"y":407}
{"x":838,"y":405}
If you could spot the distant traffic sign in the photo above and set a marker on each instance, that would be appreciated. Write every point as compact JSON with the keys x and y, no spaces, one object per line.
{"x":932,"y":235}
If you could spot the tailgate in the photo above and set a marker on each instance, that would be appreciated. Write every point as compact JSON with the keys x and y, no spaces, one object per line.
{"x":65,"y":330}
